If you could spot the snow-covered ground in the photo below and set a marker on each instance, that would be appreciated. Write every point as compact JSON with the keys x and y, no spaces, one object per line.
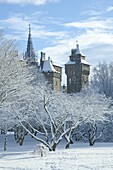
{"x":79,"y":157}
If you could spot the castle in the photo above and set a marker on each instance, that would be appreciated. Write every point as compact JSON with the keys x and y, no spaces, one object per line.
{"x":76,"y":69}
{"x":51,"y":71}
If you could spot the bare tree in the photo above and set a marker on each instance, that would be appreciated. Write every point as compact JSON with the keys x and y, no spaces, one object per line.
{"x":102,"y":79}
{"x":46,"y":115}
{"x":53,"y":116}
{"x":97,"y":106}
{"x":16,"y":82}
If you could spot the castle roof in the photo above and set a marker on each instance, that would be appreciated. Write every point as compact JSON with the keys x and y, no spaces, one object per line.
{"x":74,"y":55}
{"x":47,"y":66}
{"x":70,"y":62}
{"x":73,"y":62}
{"x":84,"y":62}
{"x":56,"y":64}
{"x":78,"y":50}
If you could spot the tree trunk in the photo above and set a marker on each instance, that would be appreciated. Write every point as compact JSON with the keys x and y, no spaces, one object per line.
{"x":67,"y":145}
{"x":90,"y":138}
{"x":5,"y":142}
{"x":54,"y":146}
{"x":91,"y":142}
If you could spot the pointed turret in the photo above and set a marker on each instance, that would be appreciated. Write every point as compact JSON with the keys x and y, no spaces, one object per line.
{"x":30,"y":54}
{"x":77,"y":48}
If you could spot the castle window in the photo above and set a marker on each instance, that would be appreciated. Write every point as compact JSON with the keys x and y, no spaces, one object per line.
{"x":85,"y":79}
{"x":73,"y":72}
{"x":56,"y":83}
{"x":73,"y":79}
{"x":69,"y":80}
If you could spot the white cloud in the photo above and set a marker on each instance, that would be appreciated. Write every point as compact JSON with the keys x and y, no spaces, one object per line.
{"x":91,"y":23}
{"x":97,"y":13}
{"x":91,"y":12}
{"x":110,"y":9}
{"x":34,"y":2}
{"x":14,"y":23}
{"x":95,"y":37}
{"x":39,"y":30}
{"x":96,"y":44}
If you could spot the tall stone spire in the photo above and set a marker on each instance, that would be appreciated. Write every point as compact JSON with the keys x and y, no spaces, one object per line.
{"x":30,"y":54}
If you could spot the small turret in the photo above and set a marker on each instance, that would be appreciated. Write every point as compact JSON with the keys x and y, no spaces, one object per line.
{"x":77,"y":49}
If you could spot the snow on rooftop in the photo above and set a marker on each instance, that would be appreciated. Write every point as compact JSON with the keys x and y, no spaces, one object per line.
{"x":48,"y":67}
{"x":78,"y":50}
{"x":84,"y":62}
{"x":56,"y":64}
{"x":70,"y":62}
{"x":73,"y":62}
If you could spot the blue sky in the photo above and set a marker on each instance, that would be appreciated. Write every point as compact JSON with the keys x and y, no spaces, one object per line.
{"x":57,"y":24}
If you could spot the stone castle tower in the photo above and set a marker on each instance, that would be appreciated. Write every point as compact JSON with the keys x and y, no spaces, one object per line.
{"x":77,"y":70}
{"x":51,"y":71}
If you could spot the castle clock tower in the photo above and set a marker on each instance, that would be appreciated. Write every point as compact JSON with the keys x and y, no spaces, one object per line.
{"x":77,"y":70}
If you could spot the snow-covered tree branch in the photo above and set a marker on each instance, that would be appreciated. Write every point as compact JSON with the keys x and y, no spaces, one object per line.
{"x":102,"y":79}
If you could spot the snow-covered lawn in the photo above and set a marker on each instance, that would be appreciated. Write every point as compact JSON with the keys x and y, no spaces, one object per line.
{"x":79,"y":157}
